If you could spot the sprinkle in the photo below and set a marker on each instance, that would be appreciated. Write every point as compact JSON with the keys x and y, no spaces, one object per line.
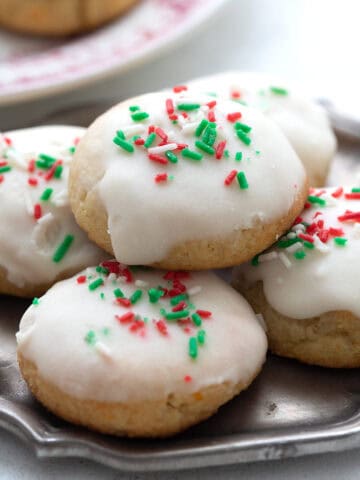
{"x":279,"y":90}
{"x":46,"y":194}
{"x":191,"y":154}
{"x":243,"y":137}
{"x":1,"y":178}
{"x":47,"y":159}
{"x":163,"y":148}
{"x":300,"y":255}
{"x":178,"y":298}
{"x":161,"y":326}
{"x":171,"y":157}
{"x":255,"y":261}
{"x":141,"y":283}
{"x":37,"y":211}
{"x":340,"y":241}
{"x":161,"y":177}
{"x":187,"y":378}
{"x":352,"y":196}
{"x":124,"y":302}
{"x":350,"y":216}
{"x":201,"y":127}
{"x":150,"y":140}
{"x":201,"y":337}
{"x":193,"y":349}
{"x":139,"y":116}
{"x":284,"y":259}
{"x":309,"y":245}
{"x":204,"y":313}
{"x":211,"y":116}
{"x":120,"y":134}
{"x":127,"y":146}
{"x":238,"y":156}
{"x":102,"y":296}
{"x":211,"y":104}
{"x":242,"y":126}
{"x":81,"y":279}
{"x":58,"y":171}
{"x":126,"y":318}
{"x":62,"y":249}
{"x":134,"y":108}
{"x":306,"y":237}
{"x":160,"y":132}
{"x":118,"y":293}
{"x":180,"y":88}
{"x":355,"y":190}
{"x":294,"y":247}
{"x":232,"y":117}
{"x":338,"y":192}
{"x":315,"y":199}
{"x":90,"y":337}
{"x":157,"y":158}
{"x":187,"y":107}
{"x":135,"y":297}
{"x":155,"y":294}
{"x":169,"y":106}
{"x":195,"y":290}
{"x":5,"y":168}
{"x":267,"y":257}
{"x":35,"y":301}
{"x":242,"y":181}
{"x":206,"y":148}
{"x":220,"y":149}
{"x":139,"y":141}
{"x":196,"y":319}
{"x":176,"y":315}
{"x":96,"y":284}
{"x":229,"y":179}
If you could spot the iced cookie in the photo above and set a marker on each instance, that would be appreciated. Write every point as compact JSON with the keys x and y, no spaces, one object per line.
{"x":304,"y":123}
{"x":185,"y":182}
{"x":140,"y":353}
{"x":59,"y":17}
{"x":307,"y":286}
{"x":40,"y":241}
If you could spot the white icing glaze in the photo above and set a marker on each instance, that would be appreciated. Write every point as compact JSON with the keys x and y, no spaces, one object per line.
{"x":327,"y":279}
{"x":146,"y":219}
{"x":27,"y":245}
{"x":304,"y":123}
{"x":121,"y":366}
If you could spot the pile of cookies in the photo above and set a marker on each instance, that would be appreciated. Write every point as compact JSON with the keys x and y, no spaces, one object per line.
{"x":207,"y":175}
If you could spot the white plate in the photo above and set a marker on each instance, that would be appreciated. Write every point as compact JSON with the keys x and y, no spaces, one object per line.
{"x":32,"y":67}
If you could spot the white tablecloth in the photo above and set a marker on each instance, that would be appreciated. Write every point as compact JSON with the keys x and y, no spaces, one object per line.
{"x":312,"y":42}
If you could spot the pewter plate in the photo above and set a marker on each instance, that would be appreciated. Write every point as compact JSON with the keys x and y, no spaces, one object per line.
{"x":290,"y":410}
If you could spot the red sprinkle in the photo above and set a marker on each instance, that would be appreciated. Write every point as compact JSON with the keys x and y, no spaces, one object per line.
{"x":31,"y":166}
{"x":151,"y":129}
{"x":139,"y":141}
{"x":336,"y":232}
{"x":51,"y":171}
{"x":160,"y":132}
{"x":8,"y":141}
{"x":181,"y":146}
{"x":211,"y":104}
{"x":211,"y":116}
{"x":161,"y":326}
{"x":180,"y":88}
{"x":219,"y":150}
{"x":229,"y":179}
{"x":137,"y":325}
{"x":170,"y":106}
{"x":350,"y":216}
{"x":204,"y":313}
{"x":3,"y":163}
{"x":161,"y":177}
{"x":173,"y":117}
{"x":126,"y":318}
{"x":1,"y":178}
{"x":307,"y":238}
{"x":235,"y":94}
{"x":352,"y":196}
{"x":324,"y":235}
{"x":179,"y":306}
{"x":81,"y":279}
{"x":232,"y":117}
{"x":157,"y":158}
{"x":76,"y":140}
{"x":338,"y":192}
{"x":187,"y":378}
{"x":125,"y":302}
{"x":297,"y":220}
{"x":32,"y":181}
{"x":37,"y":211}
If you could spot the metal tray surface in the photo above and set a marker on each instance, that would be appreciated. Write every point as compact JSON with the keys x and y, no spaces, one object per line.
{"x":290,"y":410}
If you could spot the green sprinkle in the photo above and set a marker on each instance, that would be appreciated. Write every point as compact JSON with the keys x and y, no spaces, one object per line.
{"x":5,"y":168}
{"x":118,"y":293}
{"x":206,"y":148}
{"x":201,"y":127}
{"x":102,"y":296}
{"x":318,"y":200}
{"x":242,"y":126}
{"x":106,"y":331}
{"x":58,"y":171}
{"x":134,"y":108}
{"x":188,"y":106}
{"x":243,"y":137}
{"x":201,"y":337}
{"x":226,"y":153}
{"x":120,"y":134}
{"x":255,"y":260}
{"x":135,"y":297}
{"x":35,"y":301}
{"x":196,"y":319}
{"x":210,"y":134}
{"x":90,"y":337}
{"x":355,"y":190}
{"x":242,"y":181}
{"x":193,"y":348}
{"x":72,"y":149}
{"x":287,"y":242}
{"x":300,"y":254}
{"x":139,"y":116}
{"x":127,"y":146}
{"x":150,"y":140}
{"x":308,"y":245}
{"x":176,"y":315}
{"x":101,"y":269}
{"x":46,"y":194}
{"x":191,"y":154}
{"x":238,"y":156}
{"x":43,"y":165}
{"x":178,"y":298}
{"x":340,"y":241}
{"x":171,"y":156}
{"x":47,"y":158}
{"x":257,"y":152}
{"x":62,"y":249}
{"x":96,"y":284}
{"x":155,"y":294}
{"x":279,"y":90}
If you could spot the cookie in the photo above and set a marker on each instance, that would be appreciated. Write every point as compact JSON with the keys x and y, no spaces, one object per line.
{"x":304,"y":122}
{"x":140,"y":353}
{"x":40,"y":241}
{"x":59,"y":17}
{"x":187,"y":182}
{"x":307,"y":286}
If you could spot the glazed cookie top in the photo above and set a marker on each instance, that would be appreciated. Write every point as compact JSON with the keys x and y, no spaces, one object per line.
{"x":304,"y":123}
{"x":314,"y":269}
{"x":136,"y":334}
{"x":179,"y":167}
{"x":39,"y":239}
